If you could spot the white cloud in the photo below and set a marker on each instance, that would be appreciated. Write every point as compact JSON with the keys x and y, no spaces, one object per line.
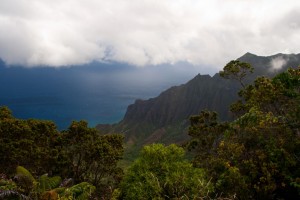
{"x":142,"y":32}
{"x":277,"y":63}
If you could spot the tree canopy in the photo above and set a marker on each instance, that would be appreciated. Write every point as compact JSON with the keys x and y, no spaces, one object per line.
{"x":257,"y":155}
{"x":236,"y":70}
{"x":79,"y":153}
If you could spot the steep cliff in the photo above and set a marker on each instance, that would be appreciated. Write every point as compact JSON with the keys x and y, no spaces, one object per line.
{"x":165,"y":118}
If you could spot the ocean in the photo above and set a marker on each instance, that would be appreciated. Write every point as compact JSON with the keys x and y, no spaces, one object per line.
{"x":96,"y":92}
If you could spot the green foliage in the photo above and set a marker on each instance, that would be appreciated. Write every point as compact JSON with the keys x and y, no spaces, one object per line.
{"x":30,"y":143}
{"x":80,"y":153}
{"x":236,"y":70}
{"x":9,"y":189}
{"x":46,"y":183}
{"x":206,"y":133}
{"x":162,"y":173}
{"x":93,"y":157}
{"x":7,"y":184}
{"x":25,"y":181}
{"x":257,"y":155}
{"x":12,"y":195}
{"x":22,"y":172}
{"x":81,"y":191}
{"x":5,"y":113}
{"x":26,"y":186}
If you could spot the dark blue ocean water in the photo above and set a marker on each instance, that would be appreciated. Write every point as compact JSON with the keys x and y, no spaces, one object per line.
{"x":97,"y":92}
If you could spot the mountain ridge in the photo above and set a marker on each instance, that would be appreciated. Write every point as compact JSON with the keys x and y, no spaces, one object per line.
{"x":165,"y":118}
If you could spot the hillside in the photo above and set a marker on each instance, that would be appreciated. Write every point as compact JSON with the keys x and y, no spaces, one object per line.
{"x":165,"y":118}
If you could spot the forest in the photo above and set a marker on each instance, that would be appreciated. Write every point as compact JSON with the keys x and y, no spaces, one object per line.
{"x":255,"y":156}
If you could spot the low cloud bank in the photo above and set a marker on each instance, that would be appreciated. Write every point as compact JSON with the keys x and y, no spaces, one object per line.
{"x":145,"y":32}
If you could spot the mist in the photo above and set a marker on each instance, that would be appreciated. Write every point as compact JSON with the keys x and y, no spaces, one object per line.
{"x":97,"y":92}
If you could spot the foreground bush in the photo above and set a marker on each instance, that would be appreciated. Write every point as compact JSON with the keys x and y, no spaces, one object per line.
{"x":160,"y":172}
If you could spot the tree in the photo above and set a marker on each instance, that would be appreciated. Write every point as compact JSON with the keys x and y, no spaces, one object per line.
{"x":80,"y":152}
{"x":236,"y":70}
{"x":160,"y":172}
{"x":5,"y":113}
{"x":93,"y":157}
{"x":257,"y":155}
{"x":206,"y":132}
{"x":30,"y":143}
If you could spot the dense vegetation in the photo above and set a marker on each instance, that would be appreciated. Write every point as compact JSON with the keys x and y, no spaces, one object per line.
{"x":162,"y":173}
{"x":80,"y":153}
{"x":165,"y":118}
{"x":256,"y":156}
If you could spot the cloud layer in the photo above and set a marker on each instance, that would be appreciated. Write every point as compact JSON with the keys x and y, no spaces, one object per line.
{"x":145,"y":32}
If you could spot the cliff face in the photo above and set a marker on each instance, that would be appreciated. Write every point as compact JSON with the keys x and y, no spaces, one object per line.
{"x":179,"y":102}
{"x":165,"y":118}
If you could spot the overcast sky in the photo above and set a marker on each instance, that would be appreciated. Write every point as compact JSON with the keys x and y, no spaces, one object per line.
{"x":145,"y":32}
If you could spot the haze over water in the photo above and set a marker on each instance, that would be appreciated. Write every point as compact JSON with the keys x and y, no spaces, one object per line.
{"x":98,"y":93}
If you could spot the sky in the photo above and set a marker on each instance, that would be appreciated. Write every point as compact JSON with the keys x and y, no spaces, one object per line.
{"x":145,"y":32}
